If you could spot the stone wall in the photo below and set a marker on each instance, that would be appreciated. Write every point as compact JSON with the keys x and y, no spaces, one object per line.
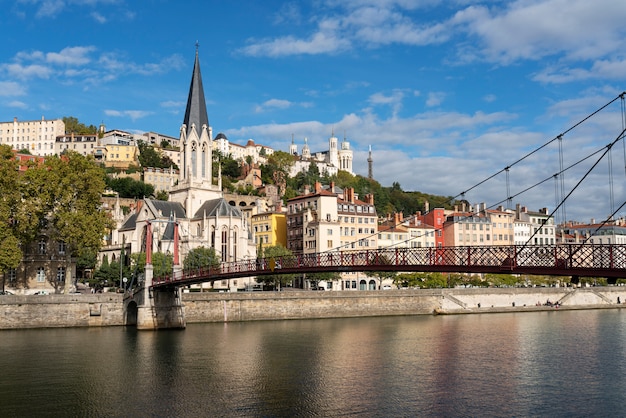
{"x":51,"y":311}
{"x":107,"y":309}
{"x":253,"y":306}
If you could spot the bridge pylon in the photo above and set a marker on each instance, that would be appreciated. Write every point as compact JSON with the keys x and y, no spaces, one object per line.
{"x":160,"y":308}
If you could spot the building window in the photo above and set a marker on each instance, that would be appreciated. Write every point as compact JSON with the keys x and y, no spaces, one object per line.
{"x":62,"y":247}
{"x":60,"y":274}
{"x":41,"y":275}
{"x":224,"y":245}
{"x":42,"y":246}
{"x":12,"y":275}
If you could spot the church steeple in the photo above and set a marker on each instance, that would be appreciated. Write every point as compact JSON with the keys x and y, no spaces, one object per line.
{"x":196,"y":112}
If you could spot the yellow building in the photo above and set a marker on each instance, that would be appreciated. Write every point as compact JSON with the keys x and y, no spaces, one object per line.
{"x":120,"y":156}
{"x":269,"y":229}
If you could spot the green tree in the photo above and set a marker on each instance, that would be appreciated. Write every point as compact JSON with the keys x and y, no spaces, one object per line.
{"x":162,"y":195}
{"x":86,"y":260}
{"x":201,"y":257}
{"x":278,"y":161}
{"x":162,"y":264}
{"x":128,"y":187}
{"x":148,"y":156}
{"x":76,"y":184}
{"x":276,"y":256}
{"x":72,"y":125}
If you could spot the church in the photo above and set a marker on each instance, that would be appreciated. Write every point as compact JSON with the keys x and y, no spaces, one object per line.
{"x":328,"y":162}
{"x":196,"y":202}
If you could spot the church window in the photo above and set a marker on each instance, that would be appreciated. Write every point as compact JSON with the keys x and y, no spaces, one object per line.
{"x":194,"y":158}
{"x":224,"y":245}
{"x":204,"y":160}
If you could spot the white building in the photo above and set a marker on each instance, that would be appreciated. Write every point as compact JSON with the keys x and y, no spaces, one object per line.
{"x":328,"y":162}
{"x":37,"y":136}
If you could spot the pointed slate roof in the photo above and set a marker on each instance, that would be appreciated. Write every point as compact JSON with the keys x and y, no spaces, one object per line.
{"x":217,"y":207}
{"x":166,"y":209}
{"x":196,"y":112}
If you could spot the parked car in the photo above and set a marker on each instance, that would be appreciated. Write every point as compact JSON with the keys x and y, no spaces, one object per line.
{"x":6,"y":292}
{"x":42,"y":292}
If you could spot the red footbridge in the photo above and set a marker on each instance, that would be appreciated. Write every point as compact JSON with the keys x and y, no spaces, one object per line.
{"x":574,"y":260}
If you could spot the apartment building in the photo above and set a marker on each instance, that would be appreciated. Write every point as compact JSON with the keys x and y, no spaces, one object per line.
{"x":501,"y":225}
{"x":538,"y":227}
{"x":358,"y":222}
{"x":162,"y":179}
{"x":269,"y":229}
{"x":312,"y":222}
{"x":37,"y":136}
{"x":82,"y":144}
{"x":467,"y":228}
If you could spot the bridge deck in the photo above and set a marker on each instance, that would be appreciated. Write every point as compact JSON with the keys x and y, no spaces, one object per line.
{"x":582,"y":260}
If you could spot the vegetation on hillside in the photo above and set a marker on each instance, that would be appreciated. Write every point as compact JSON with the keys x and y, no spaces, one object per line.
{"x":73,"y":126}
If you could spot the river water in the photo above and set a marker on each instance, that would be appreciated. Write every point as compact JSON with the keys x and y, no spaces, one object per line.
{"x":557,"y":363}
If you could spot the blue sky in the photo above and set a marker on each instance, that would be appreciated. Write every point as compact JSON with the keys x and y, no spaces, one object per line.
{"x":445,"y":92}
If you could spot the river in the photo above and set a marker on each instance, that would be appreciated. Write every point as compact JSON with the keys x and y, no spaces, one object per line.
{"x":556,"y":363}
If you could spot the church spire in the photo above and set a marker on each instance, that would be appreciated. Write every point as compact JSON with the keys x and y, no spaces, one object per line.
{"x":196,"y":112}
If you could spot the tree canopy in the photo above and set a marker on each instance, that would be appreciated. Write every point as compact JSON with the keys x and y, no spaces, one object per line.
{"x":150,"y":157}
{"x":269,"y":255}
{"x":59,"y":198}
{"x":72,"y":125}
{"x":128,"y":187}
{"x":201,"y":257}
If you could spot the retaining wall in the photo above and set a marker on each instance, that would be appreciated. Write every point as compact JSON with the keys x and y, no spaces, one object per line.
{"x":107,"y":309}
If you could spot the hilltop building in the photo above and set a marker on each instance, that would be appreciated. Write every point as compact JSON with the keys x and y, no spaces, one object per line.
{"x":328,"y":162}
{"x":37,"y":136}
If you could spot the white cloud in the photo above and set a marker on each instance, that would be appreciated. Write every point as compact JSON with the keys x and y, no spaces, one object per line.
{"x":76,"y":55}
{"x":11,"y":88}
{"x":319,"y":43}
{"x":435,"y":98}
{"x":173,"y":104}
{"x":579,"y":29}
{"x":279,"y":104}
{"x":132,"y":114}
{"x":98,"y":17}
{"x":28,"y":71}
{"x":17,"y":104}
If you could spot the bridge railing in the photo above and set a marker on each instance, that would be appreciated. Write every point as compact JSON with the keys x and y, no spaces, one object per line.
{"x":547,"y":259}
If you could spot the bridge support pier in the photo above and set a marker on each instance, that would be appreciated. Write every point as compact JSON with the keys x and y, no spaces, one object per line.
{"x":159,"y":308}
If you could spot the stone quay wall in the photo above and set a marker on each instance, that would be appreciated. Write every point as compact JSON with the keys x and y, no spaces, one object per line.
{"x":61,"y":311}
{"x":94,"y":310}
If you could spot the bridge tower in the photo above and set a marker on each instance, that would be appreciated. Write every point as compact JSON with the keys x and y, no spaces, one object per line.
{"x":157,"y":308}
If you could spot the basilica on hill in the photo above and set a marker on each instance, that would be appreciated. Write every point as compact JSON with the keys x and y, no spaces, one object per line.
{"x":196,"y":202}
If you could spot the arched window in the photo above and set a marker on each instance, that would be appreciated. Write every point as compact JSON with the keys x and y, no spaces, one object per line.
{"x":194,"y":159}
{"x":224,"y":244}
{"x":235,"y":245}
{"x":203,"y":164}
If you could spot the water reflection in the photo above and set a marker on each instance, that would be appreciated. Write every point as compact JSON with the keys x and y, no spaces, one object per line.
{"x":531,"y":364}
